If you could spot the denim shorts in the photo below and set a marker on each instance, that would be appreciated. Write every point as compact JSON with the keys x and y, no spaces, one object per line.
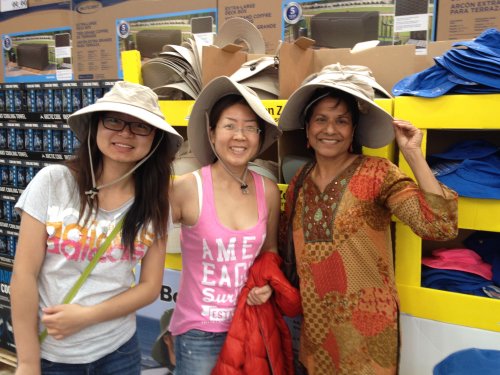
{"x":196,"y":351}
{"x":126,"y":360}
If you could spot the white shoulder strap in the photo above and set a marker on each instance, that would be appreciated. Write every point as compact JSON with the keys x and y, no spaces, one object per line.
{"x":199,"y":185}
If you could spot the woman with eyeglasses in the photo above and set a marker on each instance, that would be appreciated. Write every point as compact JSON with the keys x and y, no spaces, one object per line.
{"x":228,"y":215}
{"x":119,"y":176}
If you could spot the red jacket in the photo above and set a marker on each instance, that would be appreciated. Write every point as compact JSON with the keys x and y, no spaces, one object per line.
{"x":258,"y":340}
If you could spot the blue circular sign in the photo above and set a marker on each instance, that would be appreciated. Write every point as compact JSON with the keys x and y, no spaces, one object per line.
{"x":7,"y":43}
{"x":123,"y":29}
{"x":292,"y":13}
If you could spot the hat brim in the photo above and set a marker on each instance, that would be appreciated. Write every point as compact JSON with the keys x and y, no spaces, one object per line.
{"x":253,"y":67}
{"x":159,"y":351}
{"x":197,"y":126}
{"x":236,"y":30}
{"x":80,"y":120}
{"x":375,"y":127}
{"x":263,"y":82}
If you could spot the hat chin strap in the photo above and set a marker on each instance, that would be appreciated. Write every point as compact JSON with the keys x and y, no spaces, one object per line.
{"x":95,"y":189}
{"x":243,"y":184}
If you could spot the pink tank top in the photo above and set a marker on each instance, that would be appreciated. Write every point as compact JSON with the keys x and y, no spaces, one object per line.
{"x":215,"y":263}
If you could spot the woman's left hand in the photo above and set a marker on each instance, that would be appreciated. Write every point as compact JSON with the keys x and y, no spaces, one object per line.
{"x":64,"y":320}
{"x":259,"y":295}
{"x":408,"y":137}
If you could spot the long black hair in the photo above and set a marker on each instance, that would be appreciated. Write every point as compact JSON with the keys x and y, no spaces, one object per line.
{"x":151,"y":180}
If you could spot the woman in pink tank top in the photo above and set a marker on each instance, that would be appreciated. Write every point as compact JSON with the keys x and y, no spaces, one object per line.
{"x":228,"y":215}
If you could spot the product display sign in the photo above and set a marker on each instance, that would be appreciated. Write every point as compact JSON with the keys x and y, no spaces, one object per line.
{"x":333,"y":24}
{"x":37,"y":56}
{"x":6,"y":334}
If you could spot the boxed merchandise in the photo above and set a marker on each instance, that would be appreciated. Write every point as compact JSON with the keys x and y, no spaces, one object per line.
{"x":335,"y":24}
{"x":6,"y":334}
{"x":30,"y":41}
{"x":465,"y":19}
{"x":102,"y":30}
{"x":389,"y":64}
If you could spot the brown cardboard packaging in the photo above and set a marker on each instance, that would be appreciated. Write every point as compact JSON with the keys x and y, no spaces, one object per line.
{"x":389,"y":64}
{"x":391,"y":22}
{"x":97,"y":36}
{"x":265,"y":15}
{"x":298,"y":60}
{"x":221,"y":61}
{"x":33,"y":22}
{"x":465,"y":19}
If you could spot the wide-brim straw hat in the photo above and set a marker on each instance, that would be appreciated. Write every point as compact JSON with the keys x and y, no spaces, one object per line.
{"x":132,"y":99}
{"x":374,"y":129}
{"x":219,"y":87}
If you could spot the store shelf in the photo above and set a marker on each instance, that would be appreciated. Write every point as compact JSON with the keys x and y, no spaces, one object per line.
{"x":469,"y":116}
{"x":454,"y":308}
{"x":471,"y":112}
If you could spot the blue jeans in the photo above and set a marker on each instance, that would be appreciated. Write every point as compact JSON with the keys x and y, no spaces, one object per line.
{"x":126,"y":360}
{"x":196,"y":351}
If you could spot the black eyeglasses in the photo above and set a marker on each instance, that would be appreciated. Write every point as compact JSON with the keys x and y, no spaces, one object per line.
{"x":117,"y":125}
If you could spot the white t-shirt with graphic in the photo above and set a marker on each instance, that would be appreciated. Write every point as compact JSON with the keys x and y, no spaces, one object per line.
{"x":52,"y":198}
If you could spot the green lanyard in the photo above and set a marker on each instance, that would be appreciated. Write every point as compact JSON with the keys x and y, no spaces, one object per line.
{"x":86,"y":272}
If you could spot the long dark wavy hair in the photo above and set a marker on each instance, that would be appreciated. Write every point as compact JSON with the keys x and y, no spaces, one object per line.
{"x":340,"y":96}
{"x":151,"y":179}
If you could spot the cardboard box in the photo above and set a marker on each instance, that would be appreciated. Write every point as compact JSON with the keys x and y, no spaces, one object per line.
{"x":104,"y":29}
{"x":465,"y":19}
{"x":221,"y":61}
{"x":29,"y":27}
{"x":298,"y":60}
{"x":265,"y":15}
{"x":389,"y":64}
{"x":335,"y":24}
{"x":6,"y":332}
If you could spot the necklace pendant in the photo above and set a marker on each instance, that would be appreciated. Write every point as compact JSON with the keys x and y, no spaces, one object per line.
{"x":244,"y":189}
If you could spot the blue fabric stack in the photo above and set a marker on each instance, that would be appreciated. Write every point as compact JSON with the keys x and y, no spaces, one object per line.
{"x":470,"y":67}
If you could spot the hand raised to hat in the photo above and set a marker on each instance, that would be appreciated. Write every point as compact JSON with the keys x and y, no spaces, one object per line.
{"x":408,"y":137}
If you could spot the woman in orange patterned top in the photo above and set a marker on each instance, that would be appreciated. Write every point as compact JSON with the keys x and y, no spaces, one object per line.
{"x":338,"y":213}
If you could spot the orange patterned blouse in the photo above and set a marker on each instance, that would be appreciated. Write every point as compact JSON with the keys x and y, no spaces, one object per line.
{"x":343,"y":247}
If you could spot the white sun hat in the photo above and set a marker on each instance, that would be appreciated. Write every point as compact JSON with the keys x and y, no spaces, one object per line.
{"x":216,"y":89}
{"x":131,"y":99}
{"x":375,"y":127}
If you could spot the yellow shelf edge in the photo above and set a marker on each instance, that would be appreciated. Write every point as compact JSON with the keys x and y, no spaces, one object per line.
{"x":453,"y":112}
{"x":448,"y":307}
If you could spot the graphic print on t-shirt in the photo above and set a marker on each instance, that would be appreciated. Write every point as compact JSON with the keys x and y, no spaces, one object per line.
{"x":79,"y":243}
{"x":225,"y":268}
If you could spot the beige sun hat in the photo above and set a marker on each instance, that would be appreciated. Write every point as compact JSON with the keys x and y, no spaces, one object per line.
{"x":261,"y":75}
{"x":375,"y":127}
{"x":159,"y":351}
{"x":216,"y":89}
{"x":254,"y":67}
{"x":241,"y":32}
{"x":132,"y":99}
